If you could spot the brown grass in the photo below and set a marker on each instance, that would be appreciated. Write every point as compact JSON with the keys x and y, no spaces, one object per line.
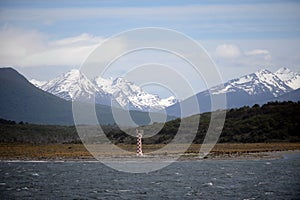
{"x":78,"y":151}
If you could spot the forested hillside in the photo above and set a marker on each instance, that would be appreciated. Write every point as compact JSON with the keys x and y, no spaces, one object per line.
{"x":272,"y":122}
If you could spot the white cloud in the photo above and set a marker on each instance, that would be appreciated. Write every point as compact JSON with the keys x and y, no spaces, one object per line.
{"x":227,"y":51}
{"x":250,"y":55}
{"x":17,"y":44}
{"x":257,"y":52}
{"x":78,"y":40}
{"x":31,"y":48}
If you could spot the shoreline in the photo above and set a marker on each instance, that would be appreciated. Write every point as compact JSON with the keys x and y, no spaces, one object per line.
{"x":185,"y":158}
{"x":77,"y":152}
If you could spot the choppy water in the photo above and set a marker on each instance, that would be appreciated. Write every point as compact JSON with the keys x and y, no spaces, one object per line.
{"x":210,"y":179}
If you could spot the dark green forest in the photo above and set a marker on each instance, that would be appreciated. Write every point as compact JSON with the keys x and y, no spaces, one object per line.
{"x":272,"y":122}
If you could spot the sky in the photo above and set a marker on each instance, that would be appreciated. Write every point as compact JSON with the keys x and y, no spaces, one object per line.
{"x":42,"y":39}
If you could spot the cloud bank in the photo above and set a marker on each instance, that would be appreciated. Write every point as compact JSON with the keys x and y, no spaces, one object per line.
{"x":227,"y":51}
{"x":25,"y":48}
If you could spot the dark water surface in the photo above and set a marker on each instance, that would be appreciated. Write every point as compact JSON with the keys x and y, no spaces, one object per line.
{"x":209,"y":179}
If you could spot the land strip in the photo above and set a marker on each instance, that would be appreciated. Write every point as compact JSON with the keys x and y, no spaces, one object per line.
{"x":10,"y":151}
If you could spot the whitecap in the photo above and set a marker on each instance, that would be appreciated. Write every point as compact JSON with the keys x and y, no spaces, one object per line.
{"x":208,"y":184}
{"x":269,"y":193}
{"x":124,"y":190}
{"x":188,"y":194}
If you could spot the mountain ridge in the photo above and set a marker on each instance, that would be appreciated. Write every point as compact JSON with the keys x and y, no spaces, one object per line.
{"x":22,"y":101}
{"x":258,"y":87}
{"x":74,"y":85}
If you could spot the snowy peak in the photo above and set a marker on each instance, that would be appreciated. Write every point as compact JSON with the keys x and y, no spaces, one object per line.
{"x":262,"y":82}
{"x":169,"y":101}
{"x":292,"y":79}
{"x":262,"y":72}
{"x":37,"y":83}
{"x":272,"y":83}
{"x":120,"y":81}
{"x":283,"y":70}
{"x":133,"y":97}
{"x":127,"y":87}
{"x":74,"y":85}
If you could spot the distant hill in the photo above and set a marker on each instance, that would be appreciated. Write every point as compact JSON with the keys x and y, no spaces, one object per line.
{"x":272,"y":122}
{"x":290,"y":96}
{"x":255,"y":88}
{"x":22,"y":101}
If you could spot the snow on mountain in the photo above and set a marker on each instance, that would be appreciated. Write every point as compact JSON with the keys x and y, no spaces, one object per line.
{"x":258,"y":83}
{"x":73,"y":85}
{"x":255,"y":88}
{"x":169,"y":101}
{"x":290,"y":78}
{"x":37,"y":83}
{"x":104,"y":84}
{"x":131,"y":96}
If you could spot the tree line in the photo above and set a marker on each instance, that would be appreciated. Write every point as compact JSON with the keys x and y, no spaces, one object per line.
{"x":271,"y":122}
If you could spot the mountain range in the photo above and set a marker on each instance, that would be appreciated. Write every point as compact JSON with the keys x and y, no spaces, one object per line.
{"x":258,"y":87}
{"x":255,"y":88}
{"x":22,"y":101}
{"x":75,"y":86}
{"x":50,"y":102}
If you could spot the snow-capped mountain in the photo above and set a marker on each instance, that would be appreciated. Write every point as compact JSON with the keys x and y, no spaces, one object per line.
{"x":22,"y":101}
{"x":290,"y":78}
{"x":37,"y":83}
{"x":259,"y":87}
{"x":260,"y":82}
{"x":73,"y":85}
{"x":168,"y":101}
{"x":131,"y":96}
{"x":256,"y":87}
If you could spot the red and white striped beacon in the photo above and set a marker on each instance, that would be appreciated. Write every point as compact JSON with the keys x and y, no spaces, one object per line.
{"x":139,"y":135}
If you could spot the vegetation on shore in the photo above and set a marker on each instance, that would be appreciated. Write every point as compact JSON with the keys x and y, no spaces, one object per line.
{"x":272,"y":122}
